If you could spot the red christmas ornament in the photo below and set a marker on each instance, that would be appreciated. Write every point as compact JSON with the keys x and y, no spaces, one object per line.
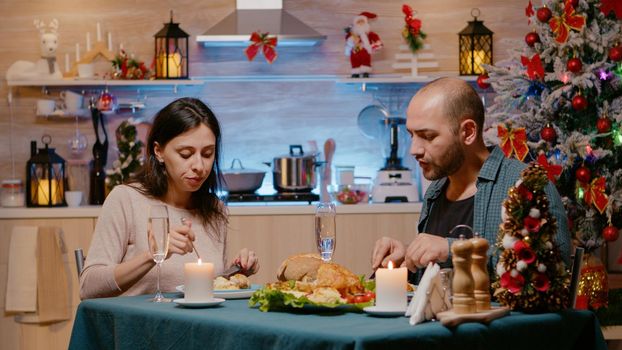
{"x":603,"y":125}
{"x":548,"y":133}
{"x":532,"y":38}
{"x":610,"y":233}
{"x":615,"y":53}
{"x":574,"y":65}
{"x":579,"y":103}
{"x":106,"y":102}
{"x":544,"y":14}
{"x":481,"y":81}
{"x":583,"y":174}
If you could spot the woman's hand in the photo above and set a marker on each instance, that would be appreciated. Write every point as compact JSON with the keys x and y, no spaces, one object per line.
{"x":248,"y":261}
{"x":180,"y":239}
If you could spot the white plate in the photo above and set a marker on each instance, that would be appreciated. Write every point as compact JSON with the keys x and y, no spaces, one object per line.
{"x":230,"y":293}
{"x":384,"y":312}
{"x":197,"y":304}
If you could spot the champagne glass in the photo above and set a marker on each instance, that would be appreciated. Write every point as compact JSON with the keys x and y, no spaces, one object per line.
{"x":325,"y":230}
{"x":157,"y":238}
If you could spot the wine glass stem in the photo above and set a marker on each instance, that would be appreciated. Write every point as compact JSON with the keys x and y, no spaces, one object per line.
{"x":158,"y":293}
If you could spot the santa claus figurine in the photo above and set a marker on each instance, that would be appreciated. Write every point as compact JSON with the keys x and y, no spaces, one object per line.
{"x":361,"y":42}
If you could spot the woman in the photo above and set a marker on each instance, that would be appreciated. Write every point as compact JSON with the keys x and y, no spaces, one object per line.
{"x":181,"y":171}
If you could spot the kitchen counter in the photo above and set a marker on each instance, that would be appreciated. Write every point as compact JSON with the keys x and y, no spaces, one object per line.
{"x":235,"y":209}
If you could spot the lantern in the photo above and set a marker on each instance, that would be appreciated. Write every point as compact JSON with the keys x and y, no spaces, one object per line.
{"x":171,"y":52}
{"x":45,"y":176}
{"x":475,"y":46}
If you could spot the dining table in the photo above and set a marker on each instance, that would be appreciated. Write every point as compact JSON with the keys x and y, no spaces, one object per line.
{"x":136,"y":323}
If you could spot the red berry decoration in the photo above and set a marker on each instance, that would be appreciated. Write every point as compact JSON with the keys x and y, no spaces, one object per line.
{"x":548,"y":133}
{"x":579,"y":103}
{"x":583,"y":174}
{"x":532,"y":38}
{"x":574,"y":65}
{"x":615,"y":53}
{"x":603,"y":125}
{"x":611,"y":233}
{"x":481,"y":81}
{"x":544,"y":14}
{"x":574,"y":3}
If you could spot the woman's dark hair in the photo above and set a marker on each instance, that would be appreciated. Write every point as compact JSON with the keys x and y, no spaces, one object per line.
{"x":176,"y":118}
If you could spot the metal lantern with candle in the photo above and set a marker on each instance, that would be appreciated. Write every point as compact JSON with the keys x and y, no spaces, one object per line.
{"x":475,"y":46}
{"x":171,"y":52}
{"x":45,"y":176}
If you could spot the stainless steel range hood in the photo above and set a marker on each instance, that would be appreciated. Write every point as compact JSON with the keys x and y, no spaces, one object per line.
{"x":264,"y":16}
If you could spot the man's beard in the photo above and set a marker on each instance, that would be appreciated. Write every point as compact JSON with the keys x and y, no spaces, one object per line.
{"x":450,"y":162}
{"x":361,"y":29}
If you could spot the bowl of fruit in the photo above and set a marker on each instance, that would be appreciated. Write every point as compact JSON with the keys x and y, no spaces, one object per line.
{"x":353,"y":194}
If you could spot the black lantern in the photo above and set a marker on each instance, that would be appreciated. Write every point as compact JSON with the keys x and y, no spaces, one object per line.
{"x":171,"y":52}
{"x":45,"y":176}
{"x":475,"y":46}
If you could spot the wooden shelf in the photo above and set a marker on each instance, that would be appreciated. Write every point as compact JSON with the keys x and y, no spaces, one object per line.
{"x":101,"y":82}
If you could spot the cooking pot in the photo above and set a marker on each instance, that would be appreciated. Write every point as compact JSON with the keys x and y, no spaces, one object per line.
{"x":294,"y":172}
{"x":241,"y":179}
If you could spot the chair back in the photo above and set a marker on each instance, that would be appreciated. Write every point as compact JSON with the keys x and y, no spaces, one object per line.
{"x":79,"y":260}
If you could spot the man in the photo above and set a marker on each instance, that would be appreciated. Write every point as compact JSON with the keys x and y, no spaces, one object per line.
{"x":470,"y":181}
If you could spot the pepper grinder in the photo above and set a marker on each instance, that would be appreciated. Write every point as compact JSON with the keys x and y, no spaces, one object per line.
{"x":480,"y":273}
{"x":463,"y":284}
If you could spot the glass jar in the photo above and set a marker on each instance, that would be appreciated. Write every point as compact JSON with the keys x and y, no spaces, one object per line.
{"x":12,"y":193}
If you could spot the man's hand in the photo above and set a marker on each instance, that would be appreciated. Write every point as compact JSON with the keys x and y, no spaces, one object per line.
{"x":387,"y":249}
{"x":424,"y":249}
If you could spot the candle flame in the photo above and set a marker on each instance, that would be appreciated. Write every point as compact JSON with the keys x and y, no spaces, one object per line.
{"x":199,"y":261}
{"x":390,"y":266}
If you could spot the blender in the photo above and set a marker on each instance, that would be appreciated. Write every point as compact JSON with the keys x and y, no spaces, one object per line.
{"x":394,"y":181}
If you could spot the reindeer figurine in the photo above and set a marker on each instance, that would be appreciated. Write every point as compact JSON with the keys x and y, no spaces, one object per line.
{"x":45,"y":67}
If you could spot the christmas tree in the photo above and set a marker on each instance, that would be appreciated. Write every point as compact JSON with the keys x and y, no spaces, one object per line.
{"x":130,"y":155}
{"x":531,"y":275}
{"x":559,"y":102}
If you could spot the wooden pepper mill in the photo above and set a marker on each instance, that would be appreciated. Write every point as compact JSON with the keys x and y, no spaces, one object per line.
{"x":463,"y":284}
{"x":479,"y":272}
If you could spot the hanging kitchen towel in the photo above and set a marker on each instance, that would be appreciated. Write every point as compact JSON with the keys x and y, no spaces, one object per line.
{"x":21,"y":285}
{"x":52,"y":280}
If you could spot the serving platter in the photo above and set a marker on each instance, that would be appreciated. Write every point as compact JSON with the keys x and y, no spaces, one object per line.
{"x":230,"y":293}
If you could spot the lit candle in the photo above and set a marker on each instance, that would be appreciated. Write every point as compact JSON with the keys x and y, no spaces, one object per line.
{"x":198,"y":281}
{"x":88,"y":41}
{"x":77,"y":52}
{"x":478,"y":59}
{"x":66,"y":63}
{"x":173,"y":63}
{"x":99,"y":32}
{"x":391,"y":288}
{"x":109,"y":41}
{"x":43,"y":192}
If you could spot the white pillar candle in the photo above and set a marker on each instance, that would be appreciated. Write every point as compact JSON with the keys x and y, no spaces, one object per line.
{"x":391,"y":288}
{"x":88,"y":41}
{"x":66,"y":63}
{"x":99,"y":32}
{"x":109,"y":41}
{"x":77,"y":52}
{"x":198,"y":281}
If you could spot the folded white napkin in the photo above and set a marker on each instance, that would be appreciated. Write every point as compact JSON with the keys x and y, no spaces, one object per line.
{"x":21,"y":286}
{"x":430,"y":297}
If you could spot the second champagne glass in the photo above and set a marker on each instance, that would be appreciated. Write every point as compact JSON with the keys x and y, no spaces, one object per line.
{"x":325,"y":230}
{"x":157,"y":238}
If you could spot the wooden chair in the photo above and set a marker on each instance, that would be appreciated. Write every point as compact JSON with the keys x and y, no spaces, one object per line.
{"x":79,"y":260}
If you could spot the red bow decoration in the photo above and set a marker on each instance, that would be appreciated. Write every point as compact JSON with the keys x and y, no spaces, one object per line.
{"x":606,"y":6}
{"x":414,"y":24}
{"x":266,"y":43}
{"x":552,"y":170}
{"x":595,"y":194}
{"x":561,"y":25}
{"x":529,"y":11}
{"x":534,"y":66}
{"x":513,"y":141}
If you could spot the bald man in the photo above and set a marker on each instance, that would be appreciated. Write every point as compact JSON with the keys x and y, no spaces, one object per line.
{"x":470,"y":181}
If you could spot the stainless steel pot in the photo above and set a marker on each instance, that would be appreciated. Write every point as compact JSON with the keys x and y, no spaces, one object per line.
{"x":242,"y":180}
{"x":294,"y":172}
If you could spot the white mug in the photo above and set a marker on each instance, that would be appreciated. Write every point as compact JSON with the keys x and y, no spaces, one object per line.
{"x":45,"y":107}
{"x":71,"y":101}
{"x":73,"y":198}
{"x":86,"y":70}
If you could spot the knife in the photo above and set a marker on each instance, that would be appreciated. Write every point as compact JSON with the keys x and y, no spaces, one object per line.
{"x":234,"y":269}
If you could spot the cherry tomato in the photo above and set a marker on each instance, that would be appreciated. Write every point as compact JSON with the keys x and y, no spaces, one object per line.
{"x":360,"y":299}
{"x":350,"y":298}
{"x":370,"y":295}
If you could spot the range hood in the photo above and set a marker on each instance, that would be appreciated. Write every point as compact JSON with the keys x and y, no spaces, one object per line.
{"x":260,"y":15}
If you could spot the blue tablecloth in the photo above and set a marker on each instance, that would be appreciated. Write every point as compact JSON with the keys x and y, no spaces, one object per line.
{"x":135,"y":323}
